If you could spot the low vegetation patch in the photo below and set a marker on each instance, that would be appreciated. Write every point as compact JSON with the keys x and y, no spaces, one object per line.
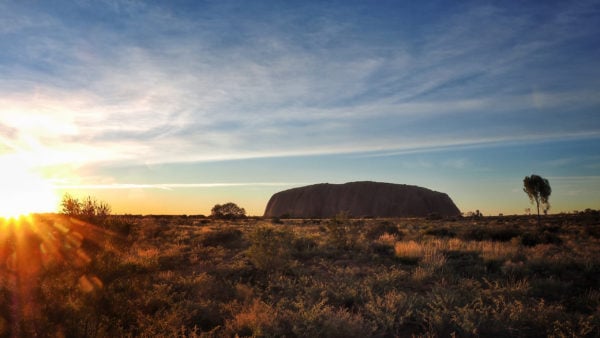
{"x":182,"y":276}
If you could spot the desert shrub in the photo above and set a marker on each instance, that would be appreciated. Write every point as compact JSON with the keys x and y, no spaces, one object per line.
{"x":392,"y":312}
{"x":150,"y":228}
{"x":304,"y":247}
{"x":257,"y":319}
{"x":89,"y":209}
{"x":535,"y":238}
{"x":342,"y":217}
{"x":119,"y":224}
{"x":383,"y":249}
{"x":226,"y":237}
{"x":549,"y":289}
{"x":342,"y":236}
{"x":441,"y":232}
{"x":503,"y":234}
{"x":465,"y":263}
{"x":384,"y":227}
{"x":323,"y":320}
{"x":592,"y":230}
{"x":270,"y":248}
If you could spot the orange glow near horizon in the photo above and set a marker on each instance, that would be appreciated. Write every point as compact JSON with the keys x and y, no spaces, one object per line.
{"x":24,"y":192}
{"x":32,"y":245}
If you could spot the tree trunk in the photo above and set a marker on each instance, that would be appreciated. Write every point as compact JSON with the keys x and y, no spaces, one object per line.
{"x":538,"y":209}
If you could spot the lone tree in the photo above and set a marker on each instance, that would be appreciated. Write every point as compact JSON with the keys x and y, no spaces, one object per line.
{"x":538,"y":189}
{"x":227,"y":211}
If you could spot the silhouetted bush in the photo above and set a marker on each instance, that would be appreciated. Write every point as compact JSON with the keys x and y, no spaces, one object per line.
{"x":227,"y":237}
{"x":593,"y":230}
{"x":383,"y":227}
{"x":227,"y":211}
{"x":89,"y":209}
{"x":383,"y":249}
{"x":441,"y":232}
{"x":504,"y":234}
{"x":534,"y":238}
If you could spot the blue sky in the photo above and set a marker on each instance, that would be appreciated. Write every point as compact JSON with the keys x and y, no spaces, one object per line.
{"x":171,"y":107}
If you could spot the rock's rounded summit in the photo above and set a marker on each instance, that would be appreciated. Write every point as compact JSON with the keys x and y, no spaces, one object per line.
{"x":360,"y":199}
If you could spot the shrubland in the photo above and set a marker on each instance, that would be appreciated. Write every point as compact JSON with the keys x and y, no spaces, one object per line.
{"x":185,"y":276}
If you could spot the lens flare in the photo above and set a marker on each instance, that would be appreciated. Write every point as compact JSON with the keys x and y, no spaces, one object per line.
{"x":38,"y":248}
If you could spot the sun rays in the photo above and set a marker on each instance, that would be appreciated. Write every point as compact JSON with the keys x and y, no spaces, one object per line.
{"x":36,"y":247}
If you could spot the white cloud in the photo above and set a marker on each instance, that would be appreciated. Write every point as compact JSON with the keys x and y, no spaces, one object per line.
{"x":159,"y":97}
{"x":171,"y":186}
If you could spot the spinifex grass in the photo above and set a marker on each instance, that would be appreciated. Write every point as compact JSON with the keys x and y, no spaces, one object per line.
{"x":175,"y":276}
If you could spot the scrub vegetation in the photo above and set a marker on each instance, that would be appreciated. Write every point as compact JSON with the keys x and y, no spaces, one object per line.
{"x":190,"y":276}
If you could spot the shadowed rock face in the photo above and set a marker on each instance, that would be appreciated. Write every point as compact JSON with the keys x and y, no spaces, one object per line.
{"x":360,"y":199}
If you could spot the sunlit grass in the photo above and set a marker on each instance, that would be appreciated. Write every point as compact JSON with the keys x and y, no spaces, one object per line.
{"x":34,"y":248}
{"x":183,"y":276}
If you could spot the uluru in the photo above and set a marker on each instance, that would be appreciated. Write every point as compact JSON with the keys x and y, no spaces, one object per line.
{"x":360,"y":199}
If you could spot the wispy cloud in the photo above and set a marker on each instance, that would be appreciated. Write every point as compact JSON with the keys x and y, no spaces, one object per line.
{"x":160,"y":86}
{"x":171,"y":186}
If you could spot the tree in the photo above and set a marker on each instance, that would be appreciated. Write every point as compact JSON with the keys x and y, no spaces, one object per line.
{"x":538,"y":189}
{"x":89,"y":209}
{"x":70,"y":205}
{"x":227,"y":211}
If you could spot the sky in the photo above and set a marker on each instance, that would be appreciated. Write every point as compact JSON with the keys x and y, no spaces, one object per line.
{"x":170,"y":107}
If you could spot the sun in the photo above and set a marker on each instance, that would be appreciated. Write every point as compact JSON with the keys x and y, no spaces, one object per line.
{"x":23,"y":192}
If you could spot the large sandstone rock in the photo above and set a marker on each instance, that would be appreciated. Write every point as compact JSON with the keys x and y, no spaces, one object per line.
{"x":360,"y":199}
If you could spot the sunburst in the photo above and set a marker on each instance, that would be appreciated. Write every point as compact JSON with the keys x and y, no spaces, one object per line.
{"x":23,"y":192}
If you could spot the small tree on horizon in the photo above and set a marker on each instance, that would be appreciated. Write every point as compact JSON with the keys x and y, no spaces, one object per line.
{"x":538,"y":190}
{"x":227,"y":211}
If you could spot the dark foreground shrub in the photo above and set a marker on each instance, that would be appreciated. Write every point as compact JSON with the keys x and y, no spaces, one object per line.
{"x":384,"y":227}
{"x":227,"y":237}
{"x":119,"y":224}
{"x":504,"y":234}
{"x":534,"y":238}
{"x":441,"y":232}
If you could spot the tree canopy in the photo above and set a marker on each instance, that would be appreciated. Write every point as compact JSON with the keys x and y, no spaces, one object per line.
{"x":538,"y":190}
{"x":227,"y":211}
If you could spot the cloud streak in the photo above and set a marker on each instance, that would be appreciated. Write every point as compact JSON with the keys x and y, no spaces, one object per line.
{"x":171,"y":186}
{"x":161,"y":86}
